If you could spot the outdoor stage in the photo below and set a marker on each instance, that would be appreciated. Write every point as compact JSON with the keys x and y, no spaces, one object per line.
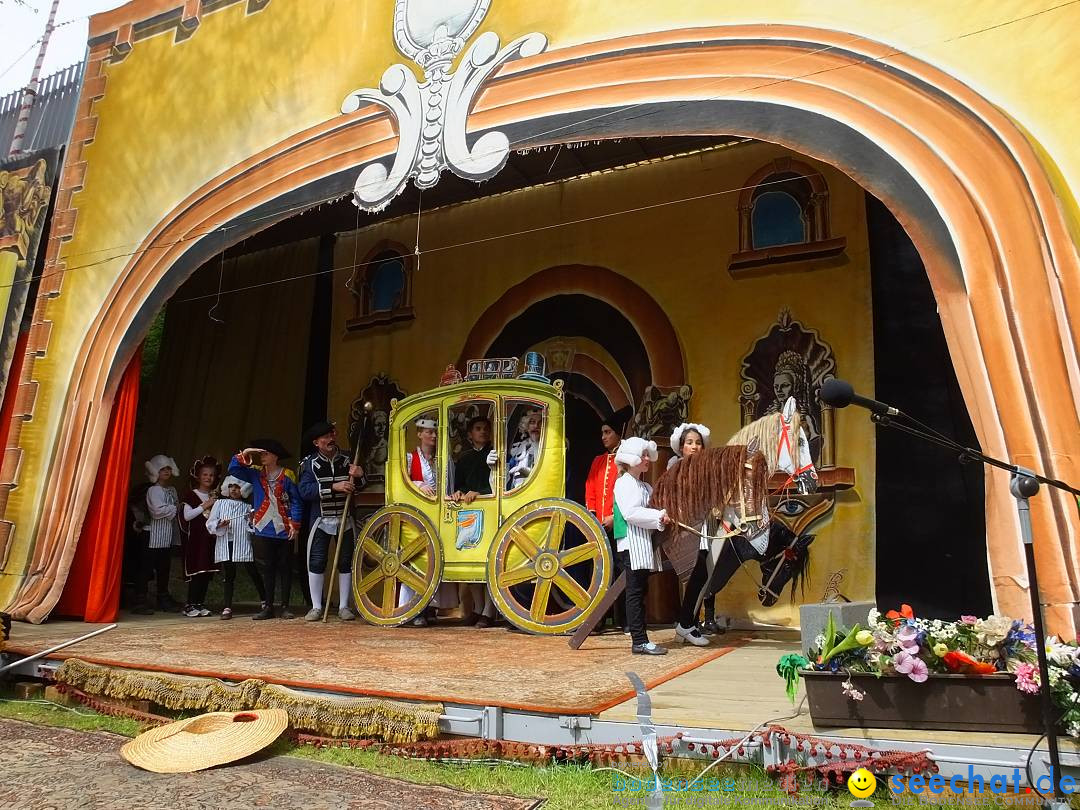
{"x":507,"y":685}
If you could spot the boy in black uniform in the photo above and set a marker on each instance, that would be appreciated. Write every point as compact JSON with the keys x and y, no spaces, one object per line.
{"x":327,"y":477}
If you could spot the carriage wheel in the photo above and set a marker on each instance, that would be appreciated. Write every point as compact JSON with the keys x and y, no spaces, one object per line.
{"x":530,"y":549}
{"x":398,"y":546}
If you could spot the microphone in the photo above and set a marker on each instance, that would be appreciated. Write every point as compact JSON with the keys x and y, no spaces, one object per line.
{"x":840,"y":394}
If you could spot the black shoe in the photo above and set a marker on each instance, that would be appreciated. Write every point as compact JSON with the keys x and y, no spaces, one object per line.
{"x":648,"y":649}
{"x":483,"y":622}
{"x":285,"y":613}
{"x":711,"y":628}
{"x":265,"y":613}
{"x":419,"y":621}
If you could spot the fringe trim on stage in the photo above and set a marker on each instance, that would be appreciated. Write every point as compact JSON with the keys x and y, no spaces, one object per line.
{"x":331,"y":716}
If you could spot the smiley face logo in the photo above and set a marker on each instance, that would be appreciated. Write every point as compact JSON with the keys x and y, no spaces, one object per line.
{"x":862,"y":783}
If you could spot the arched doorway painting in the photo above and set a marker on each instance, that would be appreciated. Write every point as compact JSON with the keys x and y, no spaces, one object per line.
{"x":964,"y":181}
{"x":603,"y":335}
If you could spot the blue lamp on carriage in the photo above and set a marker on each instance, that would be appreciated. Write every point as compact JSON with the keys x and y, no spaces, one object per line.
{"x":535,"y":366}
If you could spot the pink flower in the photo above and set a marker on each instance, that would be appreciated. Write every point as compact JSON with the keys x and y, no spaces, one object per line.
{"x":1027,"y":678}
{"x":969,"y":620}
{"x":908,"y":639}
{"x":851,"y":692}
{"x":907,"y":664}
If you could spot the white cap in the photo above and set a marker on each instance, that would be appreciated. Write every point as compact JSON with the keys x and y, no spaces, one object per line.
{"x":426,"y":423}
{"x":677,"y":434}
{"x":245,"y":487}
{"x":156,"y":464}
{"x":631,"y":451}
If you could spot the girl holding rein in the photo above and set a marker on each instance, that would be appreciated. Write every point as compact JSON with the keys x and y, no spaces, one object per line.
{"x":686,"y":440}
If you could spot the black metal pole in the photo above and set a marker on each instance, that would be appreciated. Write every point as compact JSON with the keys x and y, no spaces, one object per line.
{"x":1023,"y":486}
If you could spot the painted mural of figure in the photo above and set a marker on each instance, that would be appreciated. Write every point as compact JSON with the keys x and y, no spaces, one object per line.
{"x":375,"y":458}
{"x":791,"y":378}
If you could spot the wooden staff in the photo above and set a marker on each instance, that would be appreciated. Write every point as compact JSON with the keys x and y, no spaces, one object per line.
{"x":344,"y":517}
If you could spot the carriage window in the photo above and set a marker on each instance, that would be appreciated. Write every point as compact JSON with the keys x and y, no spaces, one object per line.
{"x":525,"y":423}
{"x":421,"y":445}
{"x":470,"y":440}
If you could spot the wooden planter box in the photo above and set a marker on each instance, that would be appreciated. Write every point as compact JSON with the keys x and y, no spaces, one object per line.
{"x":949,"y":702}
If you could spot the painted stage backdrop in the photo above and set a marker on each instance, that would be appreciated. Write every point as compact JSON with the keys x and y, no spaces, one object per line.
{"x":640,"y":308}
{"x":25,"y":190}
{"x":928,"y":106}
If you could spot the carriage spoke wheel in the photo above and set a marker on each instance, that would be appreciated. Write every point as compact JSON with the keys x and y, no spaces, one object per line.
{"x":540,"y":583}
{"x":398,"y":547}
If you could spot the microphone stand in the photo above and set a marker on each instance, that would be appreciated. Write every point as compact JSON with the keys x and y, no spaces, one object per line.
{"x":1023,"y":484}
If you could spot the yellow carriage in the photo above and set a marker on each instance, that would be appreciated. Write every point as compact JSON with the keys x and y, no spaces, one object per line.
{"x":545,"y":559}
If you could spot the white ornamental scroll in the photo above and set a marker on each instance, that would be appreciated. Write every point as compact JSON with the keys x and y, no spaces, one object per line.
{"x":431,"y":116}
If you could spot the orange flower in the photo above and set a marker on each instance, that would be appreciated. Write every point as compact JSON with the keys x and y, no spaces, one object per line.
{"x":905,"y":613}
{"x":962,"y":663}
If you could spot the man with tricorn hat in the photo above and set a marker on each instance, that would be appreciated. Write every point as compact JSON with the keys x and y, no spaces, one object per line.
{"x":600,"y":486}
{"x":327,"y":478}
{"x":278,"y":512}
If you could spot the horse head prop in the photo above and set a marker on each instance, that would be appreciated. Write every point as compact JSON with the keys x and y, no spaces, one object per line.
{"x":731,"y":484}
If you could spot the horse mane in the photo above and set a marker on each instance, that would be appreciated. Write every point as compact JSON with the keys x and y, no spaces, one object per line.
{"x":709,"y":479}
{"x":764,"y":434}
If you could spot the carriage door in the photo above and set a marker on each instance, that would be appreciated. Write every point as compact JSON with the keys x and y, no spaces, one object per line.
{"x":472,"y":512}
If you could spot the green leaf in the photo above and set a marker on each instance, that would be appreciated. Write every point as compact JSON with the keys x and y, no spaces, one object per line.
{"x":849,"y":643}
{"x":830,"y":635}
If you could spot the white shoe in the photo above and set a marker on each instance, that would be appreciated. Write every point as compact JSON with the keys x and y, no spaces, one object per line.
{"x":693,"y":636}
{"x":313,"y":615}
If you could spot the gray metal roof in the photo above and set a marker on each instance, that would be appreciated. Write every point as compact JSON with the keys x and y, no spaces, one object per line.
{"x":52,"y":115}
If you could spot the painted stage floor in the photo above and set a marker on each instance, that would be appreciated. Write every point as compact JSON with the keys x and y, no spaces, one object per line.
{"x":446,"y":663}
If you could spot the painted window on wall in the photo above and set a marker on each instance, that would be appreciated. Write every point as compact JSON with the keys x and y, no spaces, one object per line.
{"x":381,"y":285}
{"x":387,"y":283}
{"x":777,"y":220}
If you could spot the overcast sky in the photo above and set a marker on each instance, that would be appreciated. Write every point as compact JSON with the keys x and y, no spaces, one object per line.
{"x":22,"y":23}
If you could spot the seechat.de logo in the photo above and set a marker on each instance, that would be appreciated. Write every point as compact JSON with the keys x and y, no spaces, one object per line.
{"x":862,"y":785}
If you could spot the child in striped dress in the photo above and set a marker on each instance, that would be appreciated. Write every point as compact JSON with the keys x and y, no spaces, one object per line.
{"x":634,"y":523}
{"x":161,"y":502}
{"x":229,"y":521}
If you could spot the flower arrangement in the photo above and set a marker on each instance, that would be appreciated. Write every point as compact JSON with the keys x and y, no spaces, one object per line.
{"x":900,"y":644}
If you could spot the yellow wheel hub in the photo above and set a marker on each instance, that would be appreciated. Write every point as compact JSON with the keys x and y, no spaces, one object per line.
{"x":547,"y":565}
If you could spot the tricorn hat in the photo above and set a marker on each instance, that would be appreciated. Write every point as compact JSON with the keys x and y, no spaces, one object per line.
{"x":273,"y":446}
{"x":205,"y":741}
{"x":320,"y":428}
{"x":617,"y":421}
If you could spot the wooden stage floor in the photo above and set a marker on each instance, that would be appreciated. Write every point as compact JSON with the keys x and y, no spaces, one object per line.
{"x":730,"y":685}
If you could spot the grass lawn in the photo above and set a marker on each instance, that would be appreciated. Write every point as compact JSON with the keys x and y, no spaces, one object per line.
{"x":564,"y":787}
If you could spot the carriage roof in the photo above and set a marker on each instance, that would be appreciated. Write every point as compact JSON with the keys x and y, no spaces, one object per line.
{"x":549,"y":392}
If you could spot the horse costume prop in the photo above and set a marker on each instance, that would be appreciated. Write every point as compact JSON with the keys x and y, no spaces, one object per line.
{"x":730,"y":485}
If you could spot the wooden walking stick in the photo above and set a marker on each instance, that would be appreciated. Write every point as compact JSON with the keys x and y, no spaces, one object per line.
{"x":344,"y":519}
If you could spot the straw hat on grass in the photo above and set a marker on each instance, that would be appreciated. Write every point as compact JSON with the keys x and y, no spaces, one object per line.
{"x":205,"y":741}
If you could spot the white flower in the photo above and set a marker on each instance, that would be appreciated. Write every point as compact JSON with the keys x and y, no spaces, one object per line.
{"x":873,"y":617}
{"x":1055,"y":675}
{"x":992,"y":630}
{"x":819,"y":641}
{"x":1058,"y":653}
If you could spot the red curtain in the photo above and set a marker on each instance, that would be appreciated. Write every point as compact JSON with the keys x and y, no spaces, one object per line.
{"x":11,"y":392}
{"x":92,"y":590}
